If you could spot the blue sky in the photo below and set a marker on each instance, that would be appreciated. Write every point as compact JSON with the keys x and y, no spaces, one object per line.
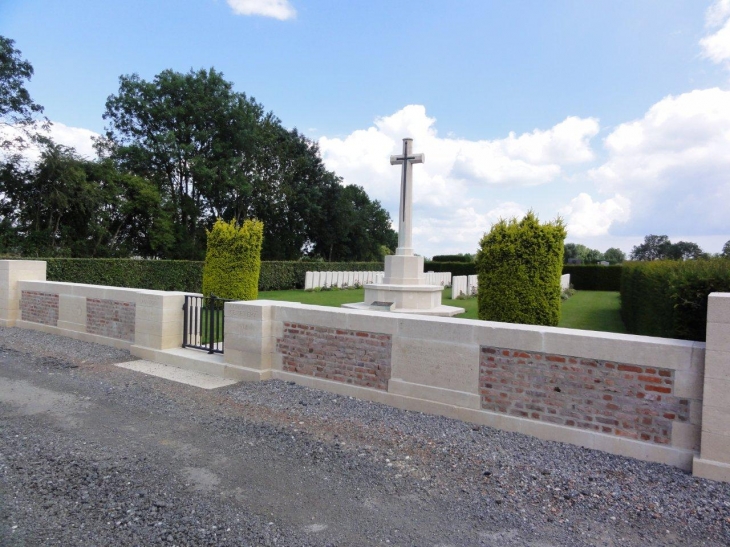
{"x":614,"y":114}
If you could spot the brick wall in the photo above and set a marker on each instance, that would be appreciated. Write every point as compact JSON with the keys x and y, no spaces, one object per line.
{"x":613,"y":398}
{"x":110,"y":318}
{"x":39,"y":307}
{"x":353,"y":357}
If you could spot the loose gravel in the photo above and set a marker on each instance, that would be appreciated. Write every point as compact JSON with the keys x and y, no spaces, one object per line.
{"x":100,"y":455}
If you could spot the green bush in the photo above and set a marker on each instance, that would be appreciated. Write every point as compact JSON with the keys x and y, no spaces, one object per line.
{"x":519,"y":265}
{"x":456,"y":268}
{"x":593,"y":277}
{"x":233,"y":260}
{"x":669,"y":298}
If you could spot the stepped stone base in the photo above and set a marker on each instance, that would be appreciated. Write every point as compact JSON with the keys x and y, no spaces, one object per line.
{"x":410,"y":299}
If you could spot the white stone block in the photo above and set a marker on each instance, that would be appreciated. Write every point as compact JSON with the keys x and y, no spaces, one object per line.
{"x":308,"y":278}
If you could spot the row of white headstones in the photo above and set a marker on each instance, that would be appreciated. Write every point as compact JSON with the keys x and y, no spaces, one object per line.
{"x":464,"y":285}
{"x":314,"y":280}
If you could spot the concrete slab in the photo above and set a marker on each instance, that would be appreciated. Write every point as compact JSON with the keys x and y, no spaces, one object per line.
{"x":175,"y":374}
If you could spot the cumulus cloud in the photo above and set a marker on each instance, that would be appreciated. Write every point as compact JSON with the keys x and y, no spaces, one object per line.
{"x":716,"y":46}
{"x":74,"y":137}
{"x":457,"y":171}
{"x":278,"y":9}
{"x":453,"y":164}
{"x":587,"y":218}
{"x":673,"y":164}
{"x":459,"y":230}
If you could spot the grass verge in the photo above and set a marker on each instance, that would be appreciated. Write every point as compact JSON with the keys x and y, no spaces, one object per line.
{"x":588,"y":310}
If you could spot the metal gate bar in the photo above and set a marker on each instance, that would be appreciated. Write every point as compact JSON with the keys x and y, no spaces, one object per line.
{"x":204,"y":323}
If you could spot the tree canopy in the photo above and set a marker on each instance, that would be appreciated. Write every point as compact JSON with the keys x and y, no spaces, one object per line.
{"x":215,"y":153}
{"x":659,"y":247}
{"x":17,"y":109}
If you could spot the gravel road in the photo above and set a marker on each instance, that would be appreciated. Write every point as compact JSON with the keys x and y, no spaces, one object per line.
{"x":93,"y":454}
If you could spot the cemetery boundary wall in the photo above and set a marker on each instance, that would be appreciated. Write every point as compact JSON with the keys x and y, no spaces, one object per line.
{"x":655,"y":399}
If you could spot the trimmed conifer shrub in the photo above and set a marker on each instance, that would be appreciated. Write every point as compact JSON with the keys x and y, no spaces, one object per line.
{"x":519,"y":265}
{"x":233,"y":260}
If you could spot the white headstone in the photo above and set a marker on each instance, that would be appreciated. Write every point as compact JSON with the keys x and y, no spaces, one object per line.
{"x":308,"y":279}
{"x":458,"y":286}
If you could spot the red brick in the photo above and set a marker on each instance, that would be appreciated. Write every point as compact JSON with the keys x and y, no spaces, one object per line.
{"x":650,"y":379}
{"x":629,"y":368}
{"x":659,"y":389}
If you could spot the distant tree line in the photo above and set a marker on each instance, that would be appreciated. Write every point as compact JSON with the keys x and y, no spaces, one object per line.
{"x":179,"y":152}
{"x":659,"y":247}
{"x":576,"y":252}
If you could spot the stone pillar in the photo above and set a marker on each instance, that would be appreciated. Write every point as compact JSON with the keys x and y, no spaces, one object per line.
{"x":250,"y":335}
{"x":159,"y":319}
{"x":12,"y":271}
{"x":714,"y":460}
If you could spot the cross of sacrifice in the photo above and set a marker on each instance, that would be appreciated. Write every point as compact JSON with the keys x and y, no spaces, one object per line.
{"x":407,"y":159}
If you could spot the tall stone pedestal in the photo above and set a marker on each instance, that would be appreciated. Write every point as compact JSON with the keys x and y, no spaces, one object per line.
{"x":404,"y":290}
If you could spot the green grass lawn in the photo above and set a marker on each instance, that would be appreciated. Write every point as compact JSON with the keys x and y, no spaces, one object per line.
{"x":589,"y":310}
{"x":593,"y":310}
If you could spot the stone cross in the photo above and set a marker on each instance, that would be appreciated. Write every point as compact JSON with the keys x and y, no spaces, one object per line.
{"x":406,"y":196}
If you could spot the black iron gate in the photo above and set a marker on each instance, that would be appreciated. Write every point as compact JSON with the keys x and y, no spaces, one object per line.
{"x":204,"y":322}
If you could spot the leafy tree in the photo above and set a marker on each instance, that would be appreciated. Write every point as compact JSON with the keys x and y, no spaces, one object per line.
{"x":614,"y":255}
{"x":684,"y":250}
{"x":66,"y":205}
{"x":654,"y":248}
{"x":579,"y":251}
{"x":17,"y":109}
{"x":195,"y":138}
{"x":726,"y":250}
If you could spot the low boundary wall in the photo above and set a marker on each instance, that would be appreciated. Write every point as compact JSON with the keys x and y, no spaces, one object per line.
{"x":654,"y":399}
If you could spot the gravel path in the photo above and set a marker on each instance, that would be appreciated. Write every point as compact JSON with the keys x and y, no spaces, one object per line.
{"x":93,"y":454}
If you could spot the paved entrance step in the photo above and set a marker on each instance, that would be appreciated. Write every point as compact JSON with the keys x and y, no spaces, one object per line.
{"x":176,"y":374}
{"x":200,"y":362}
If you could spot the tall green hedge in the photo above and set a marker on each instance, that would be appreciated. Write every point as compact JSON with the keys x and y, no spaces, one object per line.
{"x":519,"y":265}
{"x":669,"y":298}
{"x":592,"y":277}
{"x":233,"y":259}
{"x":456,"y":268}
{"x":186,"y":276}
{"x":159,"y":275}
{"x":452,"y":258}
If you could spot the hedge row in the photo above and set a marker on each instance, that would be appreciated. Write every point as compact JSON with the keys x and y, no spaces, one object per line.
{"x":452,"y":258}
{"x":181,"y":275}
{"x":593,"y":277}
{"x":160,"y":275}
{"x":456,"y":268}
{"x":668,"y":298}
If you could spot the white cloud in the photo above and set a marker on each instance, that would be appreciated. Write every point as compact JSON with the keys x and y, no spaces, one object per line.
{"x":278,"y":9}
{"x":587,"y":218}
{"x":459,"y":230}
{"x":452,"y":164}
{"x":456,"y":172}
{"x":673,"y":165}
{"x":716,"y":46}
{"x":74,"y":137}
